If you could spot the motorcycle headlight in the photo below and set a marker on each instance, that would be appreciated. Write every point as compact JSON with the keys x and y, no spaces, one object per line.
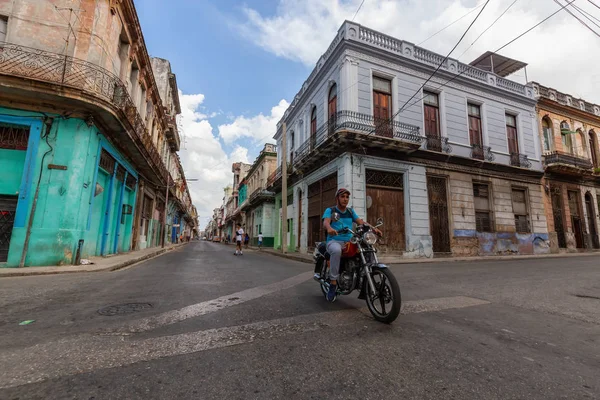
{"x":353,"y":239}
{"x":370,"y":238}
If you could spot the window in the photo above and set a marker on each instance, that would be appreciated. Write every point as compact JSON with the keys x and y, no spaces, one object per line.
{"x":583,"y":142}
{"x":519,"y":201}
{"x":475,"y":132}
{"x":291,"y":150}
{"x":313,"y":127}
{"x":382,"y":106}
{"x":511,"y":134}
{"x":483,"y":215}
{"x":290,"y":199}
{"x":592,"y":140}
{"x":133,"y":81}
{"x":123,"y":53}
{"x":432,"y":114}
{"x":547,"y":133}
{"x":332,"y":105}
{"x":3,"y":28}
{"x":565,"y":133}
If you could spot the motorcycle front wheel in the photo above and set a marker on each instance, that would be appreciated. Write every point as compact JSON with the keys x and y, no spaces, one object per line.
{"x":385,"y":303}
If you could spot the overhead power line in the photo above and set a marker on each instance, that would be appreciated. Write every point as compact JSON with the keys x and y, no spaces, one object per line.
{"x":450,"y":24}
{"x":438,"y":67}
{"x":500,"y":48}
{"x":581,"y":10}
{"x":359,"y":7}
{"x":578,"y":19}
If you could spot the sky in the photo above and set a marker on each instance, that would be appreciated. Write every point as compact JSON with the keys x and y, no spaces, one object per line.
{"x":240,"y":63}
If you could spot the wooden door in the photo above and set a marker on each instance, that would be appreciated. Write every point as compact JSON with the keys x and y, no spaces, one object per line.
{"x":382,"y":114}
{"x":388,"y":204}
{"x":320,"y":196}
{"x":576,"y":223}
{"x":475,"y":131}
{"x":557,"y":211}
{"x":8,"y":211}
{"x":513,"y":143}
{"x":438,"y":214}
{"x":591,"y":216}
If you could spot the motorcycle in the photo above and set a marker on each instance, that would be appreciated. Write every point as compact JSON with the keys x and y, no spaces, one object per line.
{"x":360,"y":269}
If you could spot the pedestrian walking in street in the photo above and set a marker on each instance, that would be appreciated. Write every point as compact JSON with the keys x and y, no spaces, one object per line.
{"x":228,"y":238}
{"x":246,"y":240}
{"x":238,"y":240}
{"x":260,"y":240}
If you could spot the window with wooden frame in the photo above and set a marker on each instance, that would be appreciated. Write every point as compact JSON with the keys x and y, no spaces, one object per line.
{"x":382,"y":106}
{"x":332,"y":106}
{"x":431,"y":107}
{"x":521,"y":210}
{"x":547,"y":133}
{"x":511,"y":134}
{"x":475,"y":131}
{"x":3,"y":28}
{"x":313,"y":127}
{"x":483,"y":213}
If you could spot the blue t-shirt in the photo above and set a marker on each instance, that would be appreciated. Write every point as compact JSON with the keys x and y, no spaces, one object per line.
{"x":345,"y":221}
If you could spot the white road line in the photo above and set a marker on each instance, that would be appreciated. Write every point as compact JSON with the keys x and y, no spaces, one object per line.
{"x":206,"y":307}
{"x":87,"y":353}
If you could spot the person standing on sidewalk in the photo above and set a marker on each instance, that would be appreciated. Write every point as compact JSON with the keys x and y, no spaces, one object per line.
{"x":238,"y":239}
{"x":260,"y":240}
{"x":246,"y":240}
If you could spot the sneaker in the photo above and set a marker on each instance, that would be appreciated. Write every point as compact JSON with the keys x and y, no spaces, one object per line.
{"x":317,"y":277}
{"x":332,"y":293}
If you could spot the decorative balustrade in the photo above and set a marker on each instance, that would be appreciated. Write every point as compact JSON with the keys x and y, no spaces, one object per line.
{"x":510,"y":85}
{"x":439,"y":144}
{"x":519,"y":160}
{"x":360,"y":123}
{"x":380,"y":40}
{"x":559,"y":157}
{"x":78,"y":74}
{"x":472,"y":72}
{"x":429,"y":57}
{"x":480,"y":152}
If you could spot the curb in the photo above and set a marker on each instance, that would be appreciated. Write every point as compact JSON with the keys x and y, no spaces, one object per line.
{"x":20,"y":272}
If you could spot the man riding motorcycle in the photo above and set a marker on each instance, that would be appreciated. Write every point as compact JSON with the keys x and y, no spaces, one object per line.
{"x":336,"y":241}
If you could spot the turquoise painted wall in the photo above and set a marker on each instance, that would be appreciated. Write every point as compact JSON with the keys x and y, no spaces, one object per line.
{"x":65,"y":196}
{"x":12,"y":163}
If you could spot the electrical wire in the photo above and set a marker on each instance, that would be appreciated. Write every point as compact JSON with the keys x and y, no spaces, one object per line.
{"x":437,"y":69}
{"x":450,"y":24}
{"x":581,"y":10}
{"x":578,"y":19}
{"x":500,"y":48}
{"x":359,"y":7}
{"x":594,"y":4}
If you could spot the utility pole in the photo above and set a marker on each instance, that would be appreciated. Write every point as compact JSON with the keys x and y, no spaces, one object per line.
{"x":284,"y":172}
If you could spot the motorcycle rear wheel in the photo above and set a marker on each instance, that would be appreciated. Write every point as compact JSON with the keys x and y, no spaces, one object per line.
{"x":385,"y":304}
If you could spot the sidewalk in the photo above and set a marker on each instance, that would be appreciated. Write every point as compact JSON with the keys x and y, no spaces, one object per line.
{"x":307,"y":258}
{"x":100,"y":264}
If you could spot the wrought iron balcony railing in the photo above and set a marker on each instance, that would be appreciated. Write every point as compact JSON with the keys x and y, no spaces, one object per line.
{"x":274,"y":176}
{"x":40,"y":65}
{"x":260,"y":193}
{"x":519,"y":160}
{"x":482,"y":152}
{"x":559,"y":157}
{"x":359,"y":123}
{"x":439,"y":144}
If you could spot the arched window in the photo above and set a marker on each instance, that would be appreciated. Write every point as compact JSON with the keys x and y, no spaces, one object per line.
{"x":592,"y":140}
{"x":584,"y":143}
{"x":332,"y":104}
{"x":547,"y":133}
{"x":565,"y":133}
{"x":292,"y":147}
{"x":313,"y":127}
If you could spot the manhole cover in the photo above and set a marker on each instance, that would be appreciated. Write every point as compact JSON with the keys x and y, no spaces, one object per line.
{"x":122,"y":309}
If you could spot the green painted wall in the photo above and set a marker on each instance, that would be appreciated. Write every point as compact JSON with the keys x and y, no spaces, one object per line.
{"x":63,"y":205}
{"x":12,"y":163}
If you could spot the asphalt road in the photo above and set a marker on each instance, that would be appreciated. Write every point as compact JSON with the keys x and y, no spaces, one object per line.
{"x":216,"y":326}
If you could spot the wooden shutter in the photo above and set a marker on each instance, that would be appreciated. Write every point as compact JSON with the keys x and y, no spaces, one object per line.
{"x":475,"y":131}
{"x":432,"y":126}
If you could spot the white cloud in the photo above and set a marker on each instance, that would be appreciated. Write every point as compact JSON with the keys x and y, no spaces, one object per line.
{"x":203,"y":156}
{"x":558,"y":52}
{"x":259,"y":128}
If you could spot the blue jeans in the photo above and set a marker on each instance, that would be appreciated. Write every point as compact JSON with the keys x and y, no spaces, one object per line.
{"x":334,"y":248}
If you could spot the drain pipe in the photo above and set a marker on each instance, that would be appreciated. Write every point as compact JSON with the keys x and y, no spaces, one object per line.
{"x":48,"y":122}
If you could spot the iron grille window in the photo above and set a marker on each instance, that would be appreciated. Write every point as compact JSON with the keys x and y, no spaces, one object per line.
{"x":120,"y":173}
{"x":290,"y":199}
{"x":386,"y":179}
{"x":13,"y":137}
{"x":130,"y":182}
{"x":520,"y":209}
{"x":107,"y":162}
{"x":483,"y":215}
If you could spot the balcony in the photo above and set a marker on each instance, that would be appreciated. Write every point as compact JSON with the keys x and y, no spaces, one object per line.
{"x":566,"y":162}
{"x":519,"y":160}
{"x":260,"y":195}
{"x":172,"y":132}
{"x":359,"y":129}
{"x":439,"y":144}
{"x":480,"y":152}
{"x":274,"y":177}
{"x":86,"y":83}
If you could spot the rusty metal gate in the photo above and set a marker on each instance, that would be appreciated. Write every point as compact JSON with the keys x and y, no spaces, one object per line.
{"x":8,"y":210}
{"x":438,"y":214}
{"x":557,"y":212}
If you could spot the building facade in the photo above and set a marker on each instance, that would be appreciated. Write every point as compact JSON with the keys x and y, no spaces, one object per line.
{"x":83,"y":134}
{"x":456,"y":171}
{"x":569,"y":129}
{"x":258,"y":203}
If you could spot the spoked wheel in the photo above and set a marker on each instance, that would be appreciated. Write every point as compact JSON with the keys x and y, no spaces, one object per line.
{"x":385,"y":303}
{"x":324,"y":276}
